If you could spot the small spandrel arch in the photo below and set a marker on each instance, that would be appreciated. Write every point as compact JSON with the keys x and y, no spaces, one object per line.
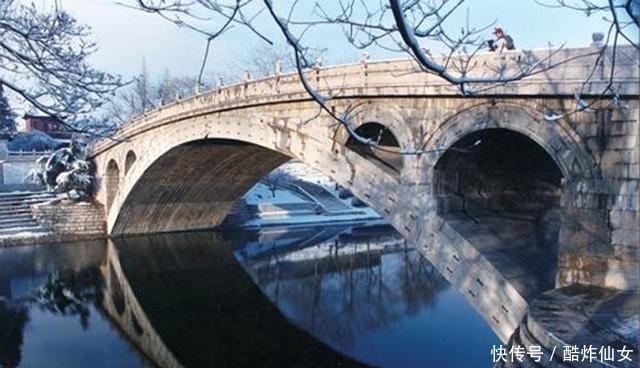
{"x":384,"y":149}
{"x":112,"y":180}
{"x":130,"y":159}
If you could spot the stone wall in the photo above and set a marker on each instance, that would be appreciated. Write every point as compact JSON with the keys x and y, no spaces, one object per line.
{"x":600,"y":232}
{"x":15,"y":171}
{"x":14,"y":168}
{"x":72,"y":219}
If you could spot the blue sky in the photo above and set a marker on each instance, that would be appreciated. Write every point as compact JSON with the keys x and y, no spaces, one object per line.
{"x":127,"y":36}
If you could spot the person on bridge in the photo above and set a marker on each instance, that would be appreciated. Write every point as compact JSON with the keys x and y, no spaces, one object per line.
{"x":502,"y":41}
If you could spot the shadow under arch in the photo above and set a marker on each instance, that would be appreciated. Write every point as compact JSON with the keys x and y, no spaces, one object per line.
{"x":193,"y":186}
{"x":385,"y":154}
{"x":509,"y":188}
{"x":502,"y":171}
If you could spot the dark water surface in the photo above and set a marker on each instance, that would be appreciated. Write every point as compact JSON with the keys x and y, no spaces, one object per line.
{"x":298,"y":297}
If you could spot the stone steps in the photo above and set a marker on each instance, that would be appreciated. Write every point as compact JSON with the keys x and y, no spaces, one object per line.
{"x":22,"y":229}
{"x":18,"y":210}
{"x":15,"y":212}
{"x":20,"y":217}
{"x":24,"y":195}
{"x":23,"y":202}
{"x":18,"y":223}
{"x":328,"y":201}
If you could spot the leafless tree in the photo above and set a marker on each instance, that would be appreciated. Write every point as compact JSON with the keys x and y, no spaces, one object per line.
{"x":622,"y":15}
{"x":269,"y":59}
{"x":398,"y":25}
{"x":144,"y":95}
{"x":277,"y":179}
{"x":43,"y":60}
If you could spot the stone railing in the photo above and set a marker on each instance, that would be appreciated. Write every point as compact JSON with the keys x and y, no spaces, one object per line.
{"x":34,"y":153}
{"x":549,"y":72}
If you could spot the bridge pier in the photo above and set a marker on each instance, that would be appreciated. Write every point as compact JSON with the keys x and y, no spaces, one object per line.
{"x":603,"y":331}
{"x":600,"y":232}
{"x":587,"y":254}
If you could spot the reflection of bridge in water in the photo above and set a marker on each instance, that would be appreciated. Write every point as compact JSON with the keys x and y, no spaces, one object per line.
{"x":191,"y":304}
{"x":122,"y":307}
{"x":181,"y":304}
{"x":197,"y":307}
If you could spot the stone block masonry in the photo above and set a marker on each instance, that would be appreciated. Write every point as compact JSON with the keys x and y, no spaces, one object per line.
{"x":74,"y":220}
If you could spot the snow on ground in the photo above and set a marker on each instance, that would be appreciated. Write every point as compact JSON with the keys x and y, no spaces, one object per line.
{"x":14,"y":192}
{"x":19,"y":233}
{"x":304,"y":172}
{"x":262,"y":194}
{"x":306,"y":219}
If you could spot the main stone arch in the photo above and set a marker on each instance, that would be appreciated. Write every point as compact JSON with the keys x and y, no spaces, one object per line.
{"x":280,"y":135}
{"x":182,"y":189}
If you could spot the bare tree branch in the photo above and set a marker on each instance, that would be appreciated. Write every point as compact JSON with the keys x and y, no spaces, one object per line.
{"x":43,"y":57}
{"x":406,"y":26}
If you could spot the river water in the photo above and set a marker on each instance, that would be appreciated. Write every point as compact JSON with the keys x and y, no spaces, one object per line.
{"x":349,"y":295}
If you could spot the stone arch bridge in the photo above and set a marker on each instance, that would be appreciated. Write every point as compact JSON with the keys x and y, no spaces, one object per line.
{"x":509,"y":192}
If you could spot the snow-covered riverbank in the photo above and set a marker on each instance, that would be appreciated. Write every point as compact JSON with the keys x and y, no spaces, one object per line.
{"x":295,"y":194}
{"x":292,"y":195}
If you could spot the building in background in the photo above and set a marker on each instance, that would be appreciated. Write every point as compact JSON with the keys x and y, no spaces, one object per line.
{"x":47,"y":124}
